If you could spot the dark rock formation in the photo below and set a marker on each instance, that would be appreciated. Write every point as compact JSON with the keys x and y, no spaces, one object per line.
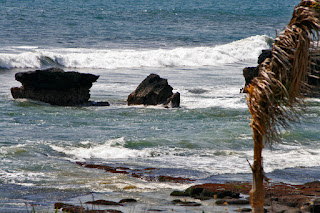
{"x":145,"y":174}
{"x":281,"y":197}
{"x":264,"y":55}
{"x":104,"y":202}
{"x":206,"y":191}
{"x":55,"y":78}
{"x":185,"y":203}
{"x":56,"y":87}
{"x":173,"y":101}
{"x":128,"y":200}
{"x":250,"y":72}
{"x":153,"y":91}
{"x":79,"y":209}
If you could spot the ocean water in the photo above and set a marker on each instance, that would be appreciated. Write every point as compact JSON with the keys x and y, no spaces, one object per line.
{"x":201,"y":47}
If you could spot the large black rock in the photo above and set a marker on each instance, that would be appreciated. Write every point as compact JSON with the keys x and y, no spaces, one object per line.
{"x":55,"y":78}
{"x":55,"y":86}
{"x":153,"y":91}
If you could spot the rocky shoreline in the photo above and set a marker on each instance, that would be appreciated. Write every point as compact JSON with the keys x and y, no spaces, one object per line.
{"x":227,"y":197}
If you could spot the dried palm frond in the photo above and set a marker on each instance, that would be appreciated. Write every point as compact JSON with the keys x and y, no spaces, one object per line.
{"x":274,"y":95}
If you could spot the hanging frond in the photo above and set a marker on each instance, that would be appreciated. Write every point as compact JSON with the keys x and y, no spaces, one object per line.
{"x":274,"y":95}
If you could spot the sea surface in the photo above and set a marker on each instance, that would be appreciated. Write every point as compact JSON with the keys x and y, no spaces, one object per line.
{"x":201,"y":47}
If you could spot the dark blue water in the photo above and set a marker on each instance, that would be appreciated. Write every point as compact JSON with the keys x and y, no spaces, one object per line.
{"x":138,"y":23}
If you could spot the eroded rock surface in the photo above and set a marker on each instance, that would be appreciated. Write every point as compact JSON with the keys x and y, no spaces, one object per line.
{"x":153,"y":91}
{"x":56,"y":87}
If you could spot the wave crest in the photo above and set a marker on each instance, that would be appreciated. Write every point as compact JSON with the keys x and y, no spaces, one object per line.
{"x":238,"y":51}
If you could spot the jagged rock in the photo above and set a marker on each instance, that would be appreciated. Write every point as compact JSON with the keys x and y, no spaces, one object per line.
{"x":56,"y":87}
{"x":153,"y":91}
{"x":173,"y":101}
{"x":264,"y":55}
{"x":249,"y":73}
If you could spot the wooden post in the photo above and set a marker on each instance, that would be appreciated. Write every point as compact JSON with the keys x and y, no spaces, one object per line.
{"x":257,"y":191}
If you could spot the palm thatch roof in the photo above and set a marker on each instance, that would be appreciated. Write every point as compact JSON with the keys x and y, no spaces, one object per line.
{"x":274,"y":95}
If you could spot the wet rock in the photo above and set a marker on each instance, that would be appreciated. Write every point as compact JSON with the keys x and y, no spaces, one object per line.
{"x":128,"y":200}
{"x":99,"y":103}
{"x":179,"y":193}
{"x":203,"y":192}
{"x":264,"y":55}
{"x":69,"y":208}
{"x":137,"y":173}
{"x":163,"y":178}
{"x":249,"y":73}
{"x":156,"y":210}
{"x":56,"y":87}
{"x":173,"y":101}
{"x":111,"y":169}
{"x":77,"y":209}
{"x":245,"y":210}
{"x":232,"y":202}
{"x":185,"y":203}
{"x":104,"y":202}
{"x":55,"y":78}
{"x":153,"y":91}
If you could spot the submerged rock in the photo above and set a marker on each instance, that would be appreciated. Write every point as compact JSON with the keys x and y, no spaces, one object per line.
{"x":185,"y":203}
{"x":104,"y":202}
{"x":56,"y":87}
{"x":79,"y":209}
{"x":153,"y":91}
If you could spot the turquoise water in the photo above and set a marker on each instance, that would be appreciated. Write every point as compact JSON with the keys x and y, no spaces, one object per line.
{"x":201,"y":47}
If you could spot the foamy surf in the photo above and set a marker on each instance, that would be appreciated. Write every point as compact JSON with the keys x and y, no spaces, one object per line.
{"x":210,"y":162}
{"x":112,"y":149}
{"x":36,"y":57}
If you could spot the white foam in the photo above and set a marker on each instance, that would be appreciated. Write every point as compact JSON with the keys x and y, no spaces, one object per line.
{"x":21,"y":177}
{"x":112,"y":149}
{"x":207,"y":161}
{"x":30,"y":57}
{"x":19,"y":60}
{"x":226,"y":97}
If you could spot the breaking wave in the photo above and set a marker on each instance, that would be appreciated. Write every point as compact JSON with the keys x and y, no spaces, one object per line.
{"x":202,"y":160}
{"x":36,"y":57}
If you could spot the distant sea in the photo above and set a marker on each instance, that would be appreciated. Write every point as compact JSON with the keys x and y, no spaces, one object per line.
{"x":201,"y":47}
